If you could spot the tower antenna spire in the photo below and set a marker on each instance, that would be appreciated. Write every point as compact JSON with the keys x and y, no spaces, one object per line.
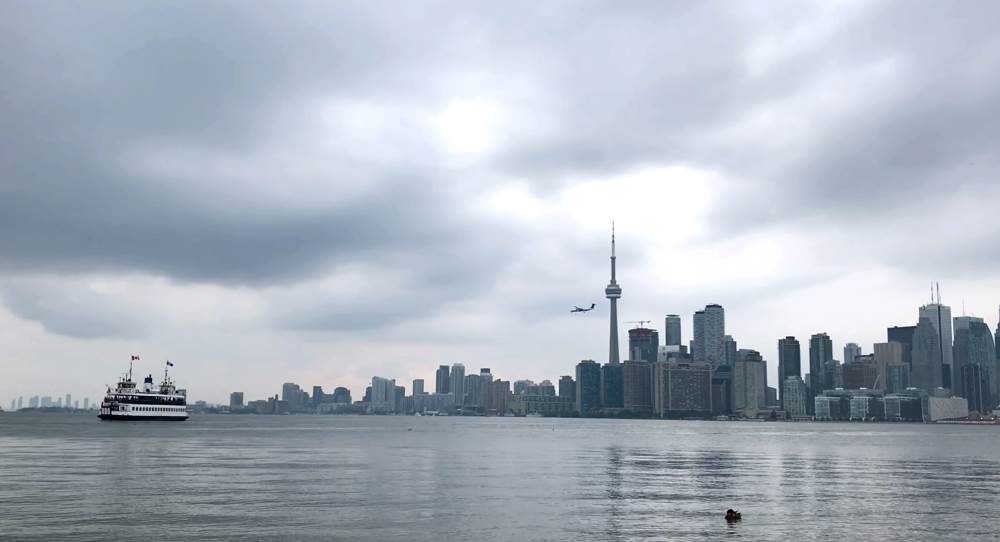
{"x":938,"y":286}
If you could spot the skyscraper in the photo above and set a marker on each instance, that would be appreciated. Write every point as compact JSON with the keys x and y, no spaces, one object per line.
{"x":925,"y":368}
{"x":714,"y":333}
{"x":974,"y":346}
{"x":672,"y":330}
{"x":820,"y":355}
{"x":613,"y":292}
{"x":442,"y":380}
{"x":383,"y":399}
{"x":940,"y":317}
{"x":789,"y":363}
{"x":567,"y":387}
{"x":457,"y":382}
{"x":748,"y":382}
{"x":643,"y":344}
{"x":588,"y":387}
{"x":235,"y":400}
{"x":418,"y":386}
{"x":851,"y":351}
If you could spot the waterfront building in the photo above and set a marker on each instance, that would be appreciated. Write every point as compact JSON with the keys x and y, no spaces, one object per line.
{"x":789,"y":363}
{"x":86,"y":403}
{"x":342,"y":396}
{"x":418,"y":386}
{"x":499,"y":397}
{"x":851,"y":351}
{"x":682,"y":389}
{"x":946,"y":408}
{"x":637,"y":387}
{"x":867,"y":408}
{"x":722,"y":390}
{"x":795,"y":395}
{"x":612,"y":387}
{"x":939,"y":317}
{"x":547,"y":405}
{"x":771,"y":397}
{"x":69,"y":401}
{"x":457,"y":383}
{"x":903,"y":408}
{"x":294,"y":396}
{"x":749,"y":383}
{"x":925,"y":368}
{"x":613,"y":292}
{"x":588,"y":387}
{"x":442,"y":380}
{"x":974,"y":384}
{"x":643,"y":344}
{"x":473,"y":391}
{"x":672,"y":330}
{"x":567,"y":387}
{"x":318,"y":397}
{"x":831,"y":408}
{"x":383,"y":397}
{"x":235,"y":400}
{"x":546,"y":388}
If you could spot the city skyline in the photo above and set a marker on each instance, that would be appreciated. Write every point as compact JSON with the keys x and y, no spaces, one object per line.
{"x":264,"y":203}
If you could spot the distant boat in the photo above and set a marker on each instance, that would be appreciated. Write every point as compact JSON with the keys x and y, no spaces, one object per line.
{"x":129,"y":402}
{"x":534,"y":415}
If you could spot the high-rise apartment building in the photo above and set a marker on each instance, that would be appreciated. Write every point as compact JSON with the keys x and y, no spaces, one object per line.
{"x":442,"y":380}
{"x":383,"y":397}
{"x":418,"y":386}
{"x":567,"y":388}
{"x":820,"y":355}
{"x":682,"y":389}
{"x":730,"y":350}
{"x":789,"y":363}
{"x":457,"y":382}
{"x":235,"y":400}
{"x":749,"y":382}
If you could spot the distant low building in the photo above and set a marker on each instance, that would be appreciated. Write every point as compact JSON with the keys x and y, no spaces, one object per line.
{"x":548,"y":405}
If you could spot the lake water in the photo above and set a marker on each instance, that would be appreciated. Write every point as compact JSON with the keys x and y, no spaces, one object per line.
{"x":72,"y":477}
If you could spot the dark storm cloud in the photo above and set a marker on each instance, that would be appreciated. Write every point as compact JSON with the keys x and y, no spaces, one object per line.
{"x":611,"y":87}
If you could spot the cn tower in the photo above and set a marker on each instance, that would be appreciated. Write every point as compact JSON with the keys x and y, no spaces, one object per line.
{"x":613,"y":292}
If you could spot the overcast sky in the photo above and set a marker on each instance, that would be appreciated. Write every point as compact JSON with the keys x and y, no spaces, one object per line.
{"x":322,"y":192}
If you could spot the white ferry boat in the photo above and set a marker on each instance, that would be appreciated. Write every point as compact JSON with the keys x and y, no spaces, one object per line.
{"x":129,"y":402}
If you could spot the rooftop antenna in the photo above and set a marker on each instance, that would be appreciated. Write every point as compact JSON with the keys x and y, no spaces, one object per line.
{"x":932,"y":292}
{"x":938,"y":285}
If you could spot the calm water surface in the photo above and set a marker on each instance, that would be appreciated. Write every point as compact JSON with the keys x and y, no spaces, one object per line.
{"x":72,"y":477}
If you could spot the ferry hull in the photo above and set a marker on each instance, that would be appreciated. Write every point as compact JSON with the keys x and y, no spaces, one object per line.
{"x":127,"y":418}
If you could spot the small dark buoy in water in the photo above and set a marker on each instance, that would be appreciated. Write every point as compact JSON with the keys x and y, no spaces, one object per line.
{"x":733,"y":515}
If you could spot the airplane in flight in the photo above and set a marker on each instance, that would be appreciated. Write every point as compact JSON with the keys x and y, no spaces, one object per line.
{"x":578,"y":309}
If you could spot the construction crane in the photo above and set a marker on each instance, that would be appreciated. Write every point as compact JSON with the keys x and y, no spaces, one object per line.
{"x":642,"y":323}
